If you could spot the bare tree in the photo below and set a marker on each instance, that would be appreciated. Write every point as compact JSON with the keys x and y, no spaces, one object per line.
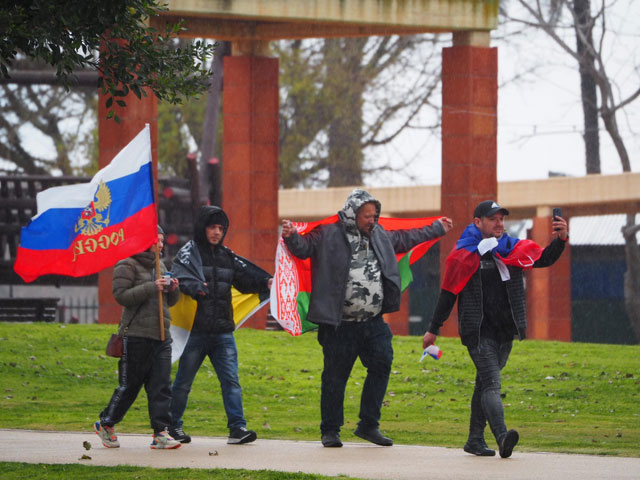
{"x":632,"y":275}
{"x":589,"y":54}
{"x":211,"y":174}
{"x":555,"y":17}
{"x":342,"y":98}
{"x":63,"y":117}
{"x":588,"y":86}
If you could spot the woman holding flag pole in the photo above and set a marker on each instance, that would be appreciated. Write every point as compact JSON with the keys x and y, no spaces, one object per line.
{"x":139,"y":284}
{"x":81,"y":229}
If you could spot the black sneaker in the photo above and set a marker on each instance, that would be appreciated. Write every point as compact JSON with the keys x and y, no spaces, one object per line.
{"x":178,"y":434}
{"x":479,"y":448}
{"x":373,"y":435}
{"x":331,"y":440}
{"x":242,"y":435}
{"x":508,"y":442}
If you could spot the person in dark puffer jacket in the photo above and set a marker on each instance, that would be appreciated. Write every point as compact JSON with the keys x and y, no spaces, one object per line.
{"x":207,"y":270}
{"x":484,"y":272}
{"x":146,"y":360}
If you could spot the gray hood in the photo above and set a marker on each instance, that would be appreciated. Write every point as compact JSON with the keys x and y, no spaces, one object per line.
{"x":356,"y":199}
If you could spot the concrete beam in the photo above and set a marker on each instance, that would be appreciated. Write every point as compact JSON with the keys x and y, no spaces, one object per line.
{"x":589,"y":195}
{"x":321,"y":203}
{"x":276,"y":19}
{"x":231,"y":29}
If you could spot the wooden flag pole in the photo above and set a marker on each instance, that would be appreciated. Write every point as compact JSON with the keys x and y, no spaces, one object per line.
{"x":154,"y":181}
{"x":160,"y":302}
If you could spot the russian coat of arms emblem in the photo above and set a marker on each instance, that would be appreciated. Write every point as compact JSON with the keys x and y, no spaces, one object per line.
{"x":95,"y":216}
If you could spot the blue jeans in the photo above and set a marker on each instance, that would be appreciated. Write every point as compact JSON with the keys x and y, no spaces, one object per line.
{"x":489,"y":357}
{"x":371,"y":341}
{"x":221,"y":350}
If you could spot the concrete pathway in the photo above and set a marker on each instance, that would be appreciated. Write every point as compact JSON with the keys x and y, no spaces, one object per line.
{"x":362,"y":460}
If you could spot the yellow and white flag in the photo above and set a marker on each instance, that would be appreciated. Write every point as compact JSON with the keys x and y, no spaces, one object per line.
{"x":184,"y":312}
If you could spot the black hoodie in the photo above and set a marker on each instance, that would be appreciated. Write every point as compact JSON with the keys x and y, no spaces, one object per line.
{"x":199,"y":263}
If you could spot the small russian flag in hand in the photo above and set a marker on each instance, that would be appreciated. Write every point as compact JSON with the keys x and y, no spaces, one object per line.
{"x":433,"y":351}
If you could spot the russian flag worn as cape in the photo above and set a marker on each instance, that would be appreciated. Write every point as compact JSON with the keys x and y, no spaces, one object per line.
{"x":83,"y":228}
{"x":464,"y":259}
{"x":291,"y":290}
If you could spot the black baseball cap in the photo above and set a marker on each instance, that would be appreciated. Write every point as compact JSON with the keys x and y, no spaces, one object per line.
{"x":488,"y":208}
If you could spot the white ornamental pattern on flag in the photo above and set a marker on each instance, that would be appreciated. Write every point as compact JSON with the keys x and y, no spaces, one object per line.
{"x":287,"y":286}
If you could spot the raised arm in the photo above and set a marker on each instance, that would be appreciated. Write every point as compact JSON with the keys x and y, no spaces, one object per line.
{"x":302,"y":246}
{"x":556,"y":247}
{"x":404,"y":240}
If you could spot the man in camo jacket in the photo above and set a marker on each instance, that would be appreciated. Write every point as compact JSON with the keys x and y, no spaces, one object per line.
{"x":355,"y":279}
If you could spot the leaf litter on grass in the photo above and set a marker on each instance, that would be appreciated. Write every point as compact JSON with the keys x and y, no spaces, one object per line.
{"x":280,"y":375}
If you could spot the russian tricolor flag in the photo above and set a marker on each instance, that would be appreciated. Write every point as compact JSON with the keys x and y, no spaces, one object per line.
{"x":84,"y":228}
{"x":464,"y":259}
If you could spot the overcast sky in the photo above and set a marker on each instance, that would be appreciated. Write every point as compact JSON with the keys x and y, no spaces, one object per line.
{"x":540,"y":119}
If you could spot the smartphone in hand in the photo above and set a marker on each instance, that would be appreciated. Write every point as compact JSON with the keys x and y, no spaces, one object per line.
{"x":557,"y":212}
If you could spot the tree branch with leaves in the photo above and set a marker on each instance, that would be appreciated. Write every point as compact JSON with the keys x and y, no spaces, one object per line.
{"x":68,"y":34}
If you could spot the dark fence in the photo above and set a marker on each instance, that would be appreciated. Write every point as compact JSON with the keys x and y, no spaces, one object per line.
{"x":28,"y":309}
{"x":78,"y":310}
{"x":597,"y":295}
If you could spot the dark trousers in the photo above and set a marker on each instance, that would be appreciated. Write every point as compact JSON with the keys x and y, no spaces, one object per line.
{"x":144,"y":362}
{"x":489,"y":357}
{"x":371,"y":341}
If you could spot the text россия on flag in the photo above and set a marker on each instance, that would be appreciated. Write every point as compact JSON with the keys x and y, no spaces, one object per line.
{"x":82,"y":229}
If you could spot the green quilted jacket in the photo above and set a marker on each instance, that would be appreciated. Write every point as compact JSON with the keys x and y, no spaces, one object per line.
{"x":135,"y":290}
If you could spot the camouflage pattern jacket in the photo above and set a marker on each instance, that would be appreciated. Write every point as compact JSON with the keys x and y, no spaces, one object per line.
{"x":355,"y":277}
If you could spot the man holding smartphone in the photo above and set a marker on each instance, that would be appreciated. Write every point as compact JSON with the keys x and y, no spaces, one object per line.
{"x":484,"y":272}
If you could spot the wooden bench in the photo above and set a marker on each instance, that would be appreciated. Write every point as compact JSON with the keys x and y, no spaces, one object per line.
{"x":28,"y":309}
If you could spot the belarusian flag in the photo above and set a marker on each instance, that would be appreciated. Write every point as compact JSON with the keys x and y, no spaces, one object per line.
{"x":291,"y":289}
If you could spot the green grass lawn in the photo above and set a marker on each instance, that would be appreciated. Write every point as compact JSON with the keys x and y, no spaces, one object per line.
{"x":561,"y":397}
{"x":14,"y":470}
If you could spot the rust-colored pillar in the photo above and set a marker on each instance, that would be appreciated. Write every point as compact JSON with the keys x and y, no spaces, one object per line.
{"x":112,"y":137}
{"x":469,"y":129}
{"x":250,"y":156}
{"x":399,"y":321}
{"x":549,"y":289}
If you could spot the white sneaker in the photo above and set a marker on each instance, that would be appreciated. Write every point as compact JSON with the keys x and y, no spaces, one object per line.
{"x":107,"y":435}
{"x":163,"y":440}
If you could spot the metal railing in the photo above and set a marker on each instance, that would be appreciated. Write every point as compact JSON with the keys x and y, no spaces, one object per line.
{"x":78,"y":310}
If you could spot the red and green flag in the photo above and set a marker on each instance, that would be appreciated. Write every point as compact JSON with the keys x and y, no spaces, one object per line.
{"x":291,"y":290}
